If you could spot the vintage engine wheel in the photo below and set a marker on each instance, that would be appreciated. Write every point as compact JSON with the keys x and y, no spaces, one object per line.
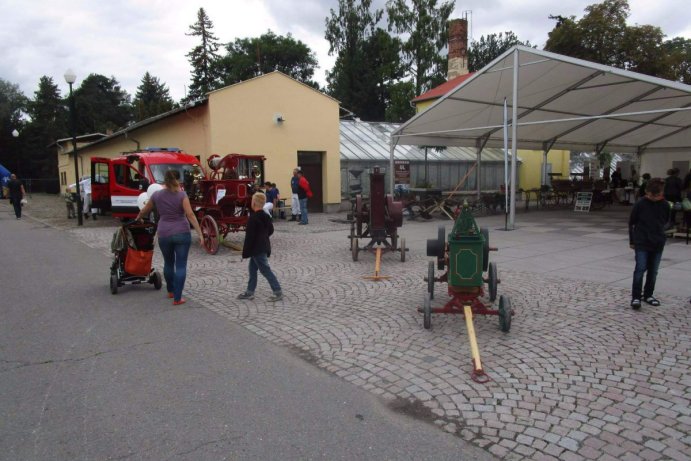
{"x":427,"y":312}
{"x":485,"y":249}
{"x":402,"y":248}
{"x":492,"y":281}
{"x":505,"y":313}
{"x":430,"y":279}
{"x":354,"y":248}
{"x":359,"y":205}
{"x":210,"y":234}
{"x":394,"y":239}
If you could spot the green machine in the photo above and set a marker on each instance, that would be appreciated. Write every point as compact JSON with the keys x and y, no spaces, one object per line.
{"x":466,"y":258}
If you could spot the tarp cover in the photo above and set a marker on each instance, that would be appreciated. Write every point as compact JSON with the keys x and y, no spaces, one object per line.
{"x":563,"y":103}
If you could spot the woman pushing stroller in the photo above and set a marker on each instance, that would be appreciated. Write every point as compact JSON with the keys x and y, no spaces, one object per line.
{"x":174,"y":239}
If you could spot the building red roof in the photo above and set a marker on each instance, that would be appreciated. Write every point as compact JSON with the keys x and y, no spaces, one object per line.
{"x":441,"y":90}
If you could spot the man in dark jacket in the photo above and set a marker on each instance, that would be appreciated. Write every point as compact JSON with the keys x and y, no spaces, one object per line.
{"x":17,"y":194}
{"x":647,"y":237}
{"x":257,"y":248}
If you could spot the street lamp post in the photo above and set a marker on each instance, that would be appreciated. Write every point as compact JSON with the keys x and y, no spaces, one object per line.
{"x":70,"y":78}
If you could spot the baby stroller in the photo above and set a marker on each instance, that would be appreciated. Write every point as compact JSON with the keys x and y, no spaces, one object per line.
{"x":133,"y":250}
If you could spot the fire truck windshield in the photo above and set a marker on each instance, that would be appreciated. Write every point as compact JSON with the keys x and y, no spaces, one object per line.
{"x":184,"y":170}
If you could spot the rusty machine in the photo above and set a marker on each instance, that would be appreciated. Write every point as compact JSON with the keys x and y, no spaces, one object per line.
{"x":222,"y":202}
{"x":465,"y":257}
{"x":377,"y":218}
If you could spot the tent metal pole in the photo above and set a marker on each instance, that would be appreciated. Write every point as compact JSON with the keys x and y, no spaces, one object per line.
{"x":478,"y":147}
{"x":514,"y":121}
{"x":392,"y":147}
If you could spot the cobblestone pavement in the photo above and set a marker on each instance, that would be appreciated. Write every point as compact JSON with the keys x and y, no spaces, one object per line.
{"x":578,"y":377}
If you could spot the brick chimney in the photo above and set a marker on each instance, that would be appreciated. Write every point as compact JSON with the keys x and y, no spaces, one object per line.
{"x":458,"y":48}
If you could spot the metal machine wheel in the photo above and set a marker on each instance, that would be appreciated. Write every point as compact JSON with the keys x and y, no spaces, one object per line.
{"x":492,"y":281}
{"x":394,"y":240}
{"x":485,"y":249}
{"x":430,"y":279}
{"x":402,"y":248}
{"x":157,"y":280}
{"x":354,"y":248}
{"x":427,"y":312}
{"x":113,"y":283}
{"x":505,"y":313}
{"x":210,"y":233}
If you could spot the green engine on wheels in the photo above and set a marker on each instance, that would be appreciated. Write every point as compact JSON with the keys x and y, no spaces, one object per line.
{"x":466,"y":252}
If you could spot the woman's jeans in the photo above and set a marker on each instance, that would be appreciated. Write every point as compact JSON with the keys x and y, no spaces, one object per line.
{"x":261,"y":263}
{"x":175,"y":249}
{"x":646,"y":261}
{"x":303,"y":210}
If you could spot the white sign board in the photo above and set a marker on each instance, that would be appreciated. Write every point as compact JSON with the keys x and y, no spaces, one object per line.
{"x":583,"y":201}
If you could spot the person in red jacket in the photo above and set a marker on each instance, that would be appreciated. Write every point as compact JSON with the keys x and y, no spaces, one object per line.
{"x":304,"y":193}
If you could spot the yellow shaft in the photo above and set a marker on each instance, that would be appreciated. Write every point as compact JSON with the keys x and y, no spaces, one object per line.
{"x":377,"y":263}
{"x":474,"y":351}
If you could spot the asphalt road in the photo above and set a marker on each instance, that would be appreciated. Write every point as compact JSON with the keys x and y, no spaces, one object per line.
{"x":88,"y":375}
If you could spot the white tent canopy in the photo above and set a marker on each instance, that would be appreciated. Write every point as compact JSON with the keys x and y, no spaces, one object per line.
{"x":561,"y":103}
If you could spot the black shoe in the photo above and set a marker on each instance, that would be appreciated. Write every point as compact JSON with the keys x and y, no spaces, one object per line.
{"x":652,"y":301}
{"x":293,"y":218}
{"x":635,"y":304}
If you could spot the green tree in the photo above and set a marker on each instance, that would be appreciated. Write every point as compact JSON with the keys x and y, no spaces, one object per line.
{"x":487,"y":49}
{"x":248,"y":57}
{"x":348,"y":32}
{"x":678,"y":51}
{"x":399,"y":109}
{"x":48,"y":123}
{"x":203,"y":57}
{"x":603,"y":36}
{"x":13,"y":106}
{"x":424,"y":24}
{"x":101,"y":105}
{"x":152,"y":98}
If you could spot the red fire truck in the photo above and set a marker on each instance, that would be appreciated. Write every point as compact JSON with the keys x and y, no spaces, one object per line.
{"x":117,"y":182}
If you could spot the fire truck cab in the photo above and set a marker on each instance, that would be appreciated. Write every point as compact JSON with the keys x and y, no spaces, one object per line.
{"x":117,"y":182}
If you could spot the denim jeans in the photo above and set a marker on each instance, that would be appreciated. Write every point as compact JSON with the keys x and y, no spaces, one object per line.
{"x":175,"y":249}
{"x":646,"y":261}
{"x":261,"y":263}
{"x":303,"y":210}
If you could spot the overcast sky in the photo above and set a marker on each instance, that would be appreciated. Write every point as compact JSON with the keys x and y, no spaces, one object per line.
{"x":126,"y":38}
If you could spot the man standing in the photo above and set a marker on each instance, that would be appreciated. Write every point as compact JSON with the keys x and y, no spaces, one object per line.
{"x":295,"y":200}
{"x":17,"y":193}
{"x":304,"y":192}
{"x":647,"y":237}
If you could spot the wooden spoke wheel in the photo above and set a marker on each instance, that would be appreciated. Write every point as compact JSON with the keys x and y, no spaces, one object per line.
{"x":505,"y":313}
{"x":354,"y":249}
{"x":402,"y":248}
{"x":210,"y":234}
{"x":359,"y":207}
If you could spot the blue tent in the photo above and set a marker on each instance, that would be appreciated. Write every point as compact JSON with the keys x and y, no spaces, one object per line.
{"x":4,"y":177}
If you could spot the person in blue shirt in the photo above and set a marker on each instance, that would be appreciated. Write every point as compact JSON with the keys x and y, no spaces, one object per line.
{"x":272,"y":194}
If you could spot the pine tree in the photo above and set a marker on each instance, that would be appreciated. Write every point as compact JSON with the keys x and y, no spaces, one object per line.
{"x":203,"y":58}
{"x":152,"y":98}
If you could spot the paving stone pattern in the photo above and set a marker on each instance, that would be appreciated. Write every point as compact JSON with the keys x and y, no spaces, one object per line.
{"x":578,"y":377}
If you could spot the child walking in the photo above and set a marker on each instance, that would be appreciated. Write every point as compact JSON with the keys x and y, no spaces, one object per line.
{"x":257,"y":248}
{"x":647,"y":237}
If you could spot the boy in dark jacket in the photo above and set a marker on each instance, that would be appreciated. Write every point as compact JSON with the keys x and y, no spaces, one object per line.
{"x":647,"y":237}
{"x":257,"y":248}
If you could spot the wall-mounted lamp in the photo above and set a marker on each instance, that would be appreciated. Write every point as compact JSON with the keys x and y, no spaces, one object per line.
{"x":278,"y":119}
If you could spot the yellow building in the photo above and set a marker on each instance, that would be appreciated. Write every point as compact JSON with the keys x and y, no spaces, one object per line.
{"x":273,"y":115}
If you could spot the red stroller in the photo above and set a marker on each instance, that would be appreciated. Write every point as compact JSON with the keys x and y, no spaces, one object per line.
{"x":133,"y":250}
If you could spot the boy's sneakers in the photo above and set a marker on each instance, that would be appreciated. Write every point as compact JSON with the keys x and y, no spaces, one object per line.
{"x":246,"y":295}
{"x":652,"y":301}
{"x":635,"y":304}
{"x":276,"y":297}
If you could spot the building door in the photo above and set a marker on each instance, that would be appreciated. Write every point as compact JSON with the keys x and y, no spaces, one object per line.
{"x":311,"y":165}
